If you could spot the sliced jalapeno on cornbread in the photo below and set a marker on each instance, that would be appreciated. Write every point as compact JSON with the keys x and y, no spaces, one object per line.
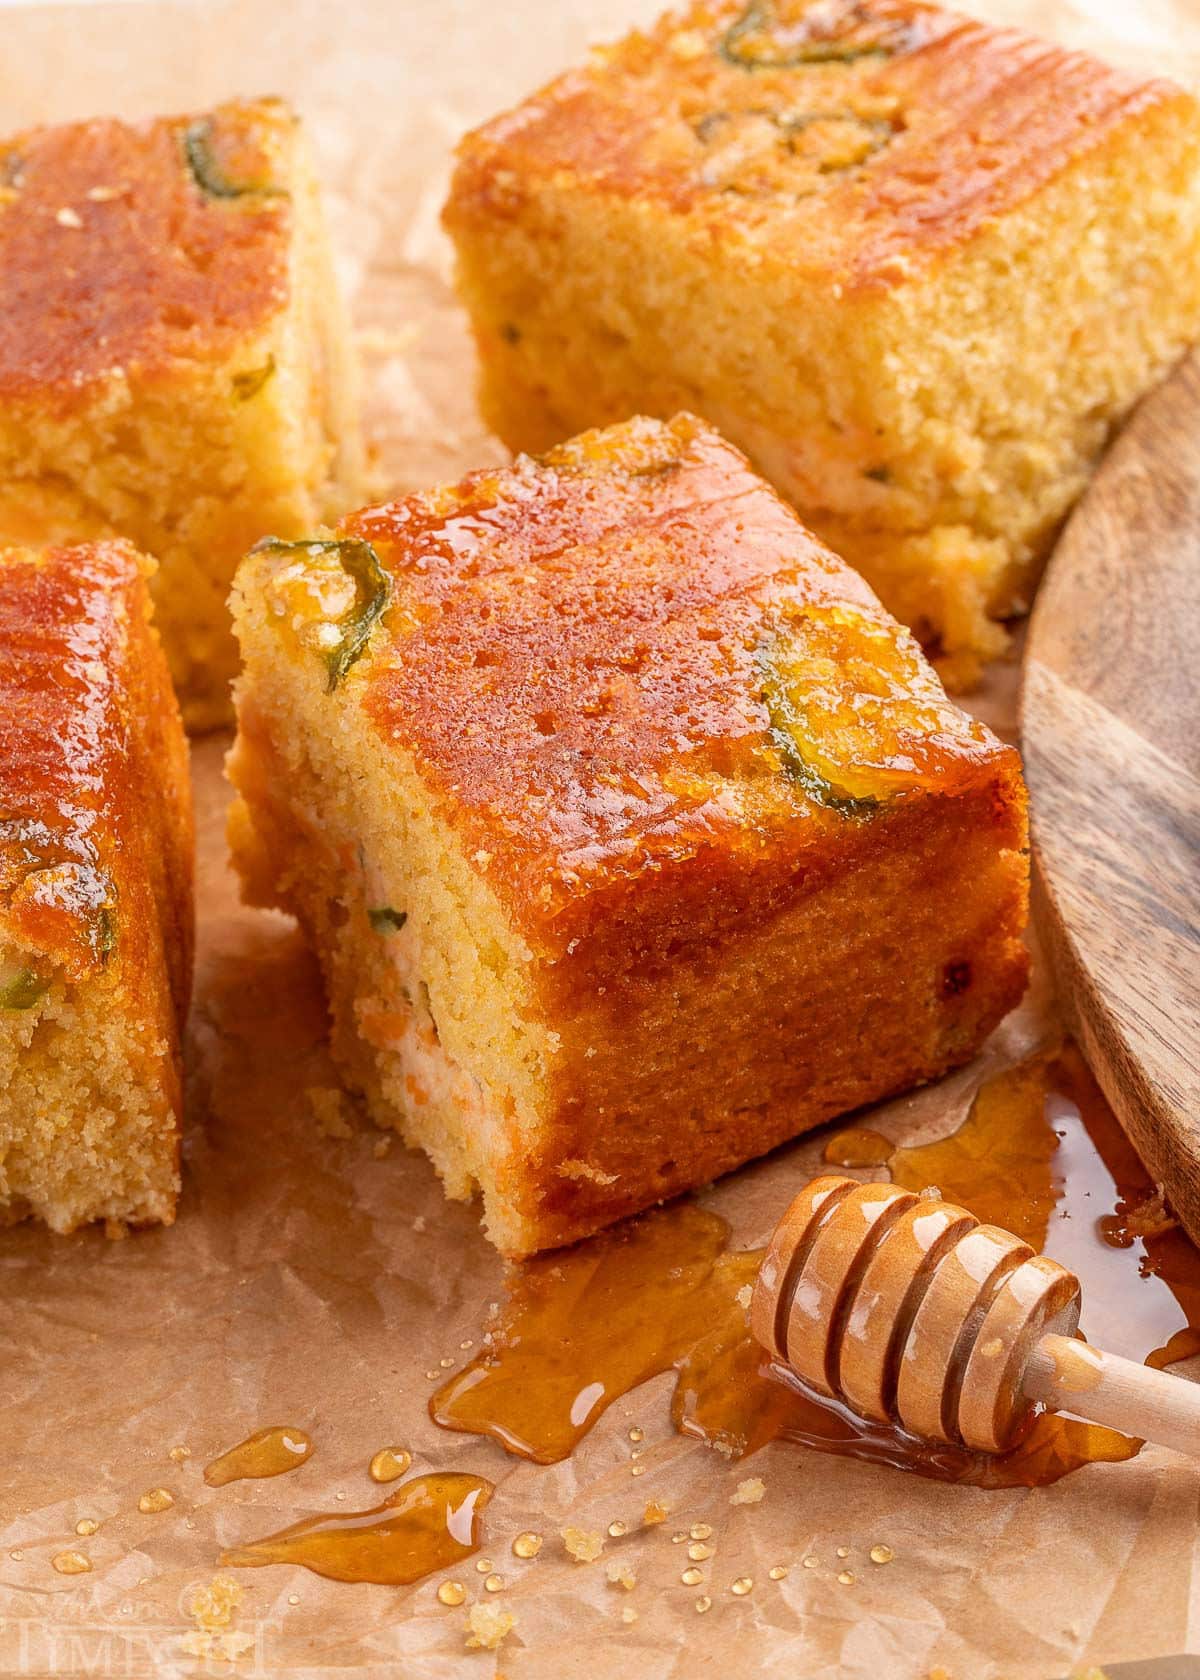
{"x":824,"y":35}
{"x":372,"y":594}
{"x":207,"y":172}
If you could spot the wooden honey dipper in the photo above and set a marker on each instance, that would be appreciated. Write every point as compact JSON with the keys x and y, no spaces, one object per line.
{"x":911,"y":1312}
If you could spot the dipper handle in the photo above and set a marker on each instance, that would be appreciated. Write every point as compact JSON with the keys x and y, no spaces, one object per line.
{"x":1071,"y":1376}
{"x":910,"y":1311}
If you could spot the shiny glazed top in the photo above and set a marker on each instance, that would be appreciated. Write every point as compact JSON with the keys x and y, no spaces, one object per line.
{"x":631,"y":654}
{"x":168,"y":243}
{"x":852,"y":139}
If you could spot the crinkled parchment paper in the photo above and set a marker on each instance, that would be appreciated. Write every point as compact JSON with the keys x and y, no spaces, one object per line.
{"x":313,"y":1282}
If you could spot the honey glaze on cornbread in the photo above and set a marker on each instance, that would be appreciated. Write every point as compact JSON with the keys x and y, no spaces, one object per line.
{"x":600,"y":740}
{"x":107,"y":198}
{"x":95,"y":891}
{"x":578,"y":765}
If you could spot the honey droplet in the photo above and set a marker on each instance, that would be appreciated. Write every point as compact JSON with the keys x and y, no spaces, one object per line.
{"x":527,"y":1545}
{"x":742,"y":1585}
{"x":389,"y":1464}
{"x":447,"y":1364}
{"x":703,"y":1603}
{"x":617,"y":1529}
{"x":268,"y":1452}
{"x":638,"y":1470}
{"x":701,"y":1531}
{"x":432,"y":1376}
{"x":484,"y":1565}
{"x":692,"y":1577}
{"x":858,"y":1147}
{"x":846,"y":1577}
{"x":429,"y":1523}
{"x":16,"y":1554}
{"x":882,"y":1554}
{"x":494,"y":1583}
{"x":777,"y":1572}
{"x":466,"y":1345}
{"x":810,"y":1562}
{"x":71,"y":1563}
{"x":698,"y":1551}
{"x":678,"y":1539}
{"x":178,"y":1455}
{"x":655,"y":1512}
{"x":637,"y":1433}
{"x":155,"y":1500}
{"x":452,"y":1593}
{"x":86,"y":1526}
{"x":843,"y":1551}
{"x":293,"y":1598}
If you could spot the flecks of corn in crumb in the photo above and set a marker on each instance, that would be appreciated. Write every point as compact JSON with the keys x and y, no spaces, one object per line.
{"x":327,"y":1104}
{"x":655,"y":1512}
{"x":489,"y":1626}
{"x":213,"y":1609}
{"x":620,"y":1575}
{"x":583,"y":1546}
{"x":748,"y":1492}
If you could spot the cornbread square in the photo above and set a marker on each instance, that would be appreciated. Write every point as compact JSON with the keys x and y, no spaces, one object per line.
{"x":916,"y":266}
{"x":633,"y":836}
{"x":95,"y":892}
{"x":174,"y":364}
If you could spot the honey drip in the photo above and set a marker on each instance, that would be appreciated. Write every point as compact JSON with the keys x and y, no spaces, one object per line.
{"x":268,"y":1452}
{"x":428,"y":1524}
{"x":858,"y":1147}
{"x":1039,"y":1153}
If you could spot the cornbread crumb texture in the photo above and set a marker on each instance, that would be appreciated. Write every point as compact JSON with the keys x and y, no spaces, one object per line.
{"x":916,"y":265}
{"x":95,"y":892}
{"x":191,"y":386}
{"x":633,"y":836}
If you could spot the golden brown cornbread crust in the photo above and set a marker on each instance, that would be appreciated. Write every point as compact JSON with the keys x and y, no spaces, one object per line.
{"x":916,"y":265}
{"x":185,"y":380}
{"x":638,"y":824}
{"x":95,"y":891}
{"x":150,"y":274}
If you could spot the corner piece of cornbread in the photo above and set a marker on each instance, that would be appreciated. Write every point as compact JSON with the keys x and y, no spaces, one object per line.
{"x":634,"y":837}
{"x":95,"y":892}
{"x":174,"y":365}
{"x":917,"y":266}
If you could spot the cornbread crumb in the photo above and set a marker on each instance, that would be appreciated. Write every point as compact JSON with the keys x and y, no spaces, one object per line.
{"x":1150,"y":1218}
{"x":192,"y":387}
{"x":489,"y":1626}
{"x":582,"y":1545}
{"x":749,"y":1492}
{"x":328,"y":1105}
{"x":95,"y":893}
{"x":917,"y":266}
{"x":620,"y":1575}
{"x":744,"y":1296}
{"x":629,"y":1614}
{"x":655,"y":1512}
{"x":745,"y":816}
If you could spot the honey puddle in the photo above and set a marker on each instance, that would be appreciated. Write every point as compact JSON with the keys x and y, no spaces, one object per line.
{"x":1039,"y":1153}
{"x":428,"y":1524}
{"x":268,"y":1452}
